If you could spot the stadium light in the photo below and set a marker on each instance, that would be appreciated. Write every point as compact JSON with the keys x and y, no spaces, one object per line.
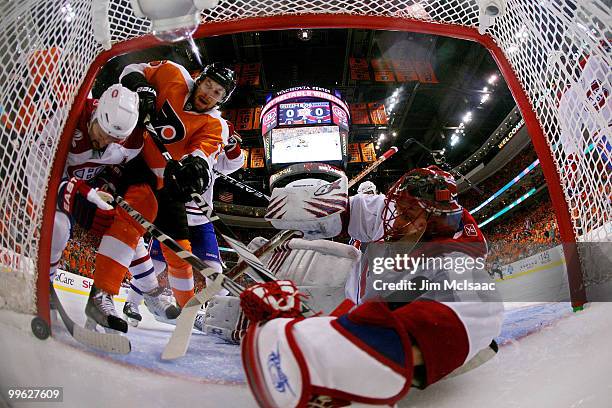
{"x":305,"y":34}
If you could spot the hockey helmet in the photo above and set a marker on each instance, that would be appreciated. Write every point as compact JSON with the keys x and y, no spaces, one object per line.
{"x":117,"y":111}
{"x":426,"y":191}
{"x":367,"y":187}
{"x":221,"y":75}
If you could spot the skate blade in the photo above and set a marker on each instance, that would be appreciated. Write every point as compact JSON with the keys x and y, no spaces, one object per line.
{"x":131,"y":321}
{"x":162,"y":319}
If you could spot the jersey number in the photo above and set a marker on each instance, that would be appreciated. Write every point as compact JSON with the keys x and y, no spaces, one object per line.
{"x":168,"y":125}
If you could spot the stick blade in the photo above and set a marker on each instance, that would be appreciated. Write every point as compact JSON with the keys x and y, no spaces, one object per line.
{"x":179,"y":342}
{"x":111,"y":343}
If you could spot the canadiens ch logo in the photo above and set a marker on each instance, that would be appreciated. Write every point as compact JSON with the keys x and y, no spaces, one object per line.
{"x":279,"y":379}
{"x":597,"y":94}
{"x":470,"y":230}
{"x":87,"y":173}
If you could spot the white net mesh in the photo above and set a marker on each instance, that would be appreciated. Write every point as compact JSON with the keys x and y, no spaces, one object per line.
{"x":557,"y":48}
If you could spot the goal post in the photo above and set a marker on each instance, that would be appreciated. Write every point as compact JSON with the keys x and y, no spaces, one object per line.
{"x":50,"y":57}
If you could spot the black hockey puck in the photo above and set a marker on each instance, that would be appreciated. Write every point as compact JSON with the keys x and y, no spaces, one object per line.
{"x":40,"y":328}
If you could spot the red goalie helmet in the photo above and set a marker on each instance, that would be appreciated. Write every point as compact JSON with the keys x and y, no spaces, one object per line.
{"x":424,"y":198}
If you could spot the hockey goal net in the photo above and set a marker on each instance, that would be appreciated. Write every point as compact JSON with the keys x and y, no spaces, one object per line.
{"x":554,"y":55}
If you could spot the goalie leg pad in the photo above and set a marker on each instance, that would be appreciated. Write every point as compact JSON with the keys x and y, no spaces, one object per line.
{"x":289,"y":362}
{"x":225,"y":319}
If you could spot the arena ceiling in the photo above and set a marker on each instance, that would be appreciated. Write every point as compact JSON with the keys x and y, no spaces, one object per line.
{"x":429,"y":112}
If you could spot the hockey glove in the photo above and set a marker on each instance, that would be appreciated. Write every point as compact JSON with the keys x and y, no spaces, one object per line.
{"x":85,"y":206}
{"x":190,"y":175}
{"x":147,"y":96}
{"x":232,"y":148}
{"x":266,"y":301}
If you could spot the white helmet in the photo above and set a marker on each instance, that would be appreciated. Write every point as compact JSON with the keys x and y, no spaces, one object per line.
{"x":367,"y":187}
{"x":117,"y":111}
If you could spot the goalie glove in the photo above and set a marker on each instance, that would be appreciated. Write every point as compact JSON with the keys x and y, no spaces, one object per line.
{"x":190,"y":175}
{"x":266,"y":301}
{"x":85,"y":205}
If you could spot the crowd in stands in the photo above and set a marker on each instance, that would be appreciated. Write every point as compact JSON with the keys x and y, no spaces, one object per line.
{"x":79,"y":256}
{"x":523,"y":233}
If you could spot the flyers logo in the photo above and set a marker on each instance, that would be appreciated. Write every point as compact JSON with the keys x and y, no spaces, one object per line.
{"x":168,"y":125}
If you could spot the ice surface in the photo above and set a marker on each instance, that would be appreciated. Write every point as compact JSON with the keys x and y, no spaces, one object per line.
{"x":549,"y":357}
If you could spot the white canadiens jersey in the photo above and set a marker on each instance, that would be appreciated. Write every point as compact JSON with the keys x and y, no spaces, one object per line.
{"x":223,"y":165}
{"x":585,"y":110}
{"x":83,"y":162}
{"x":366,"y":223}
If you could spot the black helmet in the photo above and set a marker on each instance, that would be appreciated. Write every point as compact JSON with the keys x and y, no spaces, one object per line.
{"x":221,"y":75}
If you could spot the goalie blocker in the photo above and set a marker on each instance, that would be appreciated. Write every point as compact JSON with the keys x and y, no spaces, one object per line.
{"x":309,"y":197}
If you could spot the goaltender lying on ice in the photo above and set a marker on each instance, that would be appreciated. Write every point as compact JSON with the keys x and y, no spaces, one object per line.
{"x":290,"y":361}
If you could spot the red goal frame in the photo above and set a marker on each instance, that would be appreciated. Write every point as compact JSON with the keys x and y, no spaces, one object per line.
{"x":323,"y":21}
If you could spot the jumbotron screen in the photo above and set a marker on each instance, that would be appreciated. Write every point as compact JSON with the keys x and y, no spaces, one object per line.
{"x":305,"y":124}
{"x":303,"y":144}
{"x":304,"y":113}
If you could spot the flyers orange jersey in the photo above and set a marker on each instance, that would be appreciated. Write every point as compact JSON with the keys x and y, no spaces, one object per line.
{"x":182,"y":130}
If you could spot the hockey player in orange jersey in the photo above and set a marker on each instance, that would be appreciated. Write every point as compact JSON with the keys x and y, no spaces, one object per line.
{"x":185,"y":115}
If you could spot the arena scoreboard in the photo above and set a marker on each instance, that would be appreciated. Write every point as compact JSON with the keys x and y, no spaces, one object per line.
{"x":305,"y":124}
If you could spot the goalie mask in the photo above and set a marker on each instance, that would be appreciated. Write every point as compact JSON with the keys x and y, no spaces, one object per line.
{"x":422,"y":201}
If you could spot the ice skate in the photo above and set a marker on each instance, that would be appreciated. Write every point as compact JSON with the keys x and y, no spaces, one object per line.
{"x":131,"y":314}
{"x":198,"y":324}
{"x":100,"y":310}
{"x":161,"y":309}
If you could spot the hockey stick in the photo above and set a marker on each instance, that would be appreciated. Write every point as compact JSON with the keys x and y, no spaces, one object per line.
{"x":262,"y":273}
{"x":258,"y":271}
{"x":179,"y":342}
{"x":233,"y":287}
{"x":241,"y":185}
{"x":108,"y":342}
{"x":208,"y":211}
{"x":274,"y":242}
{"x":177,"y":346}
{"x":438,"y":156}
{"x":392,"y":150}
